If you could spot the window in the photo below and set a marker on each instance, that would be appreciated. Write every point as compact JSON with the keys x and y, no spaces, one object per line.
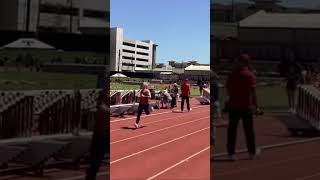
{"x":141,"y":53}
{"x":143,"y":66}
{"x":143,"y":47}
{"x":140,"y":59}
{"x":59,"y":9}
{"x":127,"y":64}
{"x":95,"y":14}
{"x":127,"y":57}
{"x":128,"y":44}
{"x":128,"y":51}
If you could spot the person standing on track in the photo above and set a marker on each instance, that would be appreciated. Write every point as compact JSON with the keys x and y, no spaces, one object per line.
{"x":100,"y":140}
{"x":174,"y":94}
{"x":292,"y":76}
{"x":143,"y":103}
{"x":185,"y":94}
{"x":241,"y":89}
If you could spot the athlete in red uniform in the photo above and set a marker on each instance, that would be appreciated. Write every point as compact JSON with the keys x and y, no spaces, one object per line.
{"x":185,"y":94}
{"x":100,"y":140}
{"x":144,"y":103}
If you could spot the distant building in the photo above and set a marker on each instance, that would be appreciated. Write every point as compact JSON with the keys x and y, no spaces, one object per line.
{"x":130,"y":55}
{"x":271,"y":34}
{"x":197,"y":72}
{"x":65,"y":16}
{"x":280,"y":36}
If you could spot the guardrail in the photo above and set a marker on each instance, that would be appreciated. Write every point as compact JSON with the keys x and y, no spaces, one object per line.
{"x":308,"y":107}
{"x":206,"y":93}
{"x":16,"y":118}
{"x":47,"y":112}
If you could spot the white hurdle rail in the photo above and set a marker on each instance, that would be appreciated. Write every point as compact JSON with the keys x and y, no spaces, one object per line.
{"x":308,"y":107}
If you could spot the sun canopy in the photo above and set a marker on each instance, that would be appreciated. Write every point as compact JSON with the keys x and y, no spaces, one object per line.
{"x":27,"y":43}
{"x":118,"y":75}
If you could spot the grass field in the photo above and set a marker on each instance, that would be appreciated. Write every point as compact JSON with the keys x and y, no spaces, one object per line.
{"x":41,"y":80}
{"x":270,"y":98}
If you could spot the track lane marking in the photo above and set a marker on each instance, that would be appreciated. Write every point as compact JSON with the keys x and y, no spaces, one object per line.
{"x":159,"y":145}
{"x":118,"y":129}
{"x":177,"y":164}
{"x":170,"y":127}
{"x":166,"y":112}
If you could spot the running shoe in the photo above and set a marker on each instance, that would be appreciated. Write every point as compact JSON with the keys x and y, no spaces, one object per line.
{"x":190,"y":110}
{"x":137,"y":125}
{"x":255,"y":156}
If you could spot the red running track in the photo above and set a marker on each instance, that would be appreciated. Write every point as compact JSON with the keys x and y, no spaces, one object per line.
{"x":286,"y":162}
{"x":168,"y":146}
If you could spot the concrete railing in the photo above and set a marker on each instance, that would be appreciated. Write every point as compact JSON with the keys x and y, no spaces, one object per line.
{"x":308,"y":107}
{"x":206,"y":93}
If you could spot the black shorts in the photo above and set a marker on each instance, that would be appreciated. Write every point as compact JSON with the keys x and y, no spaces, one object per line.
{"x":144,"y":107}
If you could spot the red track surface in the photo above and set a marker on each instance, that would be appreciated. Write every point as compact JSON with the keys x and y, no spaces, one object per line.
{"x":61,"y":174}
{"x":169,"y":146}
{"x":288,"y":162}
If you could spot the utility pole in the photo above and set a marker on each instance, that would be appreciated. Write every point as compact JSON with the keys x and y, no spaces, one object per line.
{"x":119,"y":61}
{"x":28,"y":16}
{"x":71,"y":14}
{"x":133,"y":64}
{"x":38,"y":17}
{"x":233,"y":12}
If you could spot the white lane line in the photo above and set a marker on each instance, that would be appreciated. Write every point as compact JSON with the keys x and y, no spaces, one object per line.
{"x":83,"y":176}
{"x":177,"y":164}
{"x":160,"y":120}
{"x":166,"y":112}
{"x":159,"y":145}
{"x":122,"y":140}
{"x":308,"y":177}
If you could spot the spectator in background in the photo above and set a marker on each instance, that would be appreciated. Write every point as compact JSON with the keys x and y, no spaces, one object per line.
{"x":215,"y":95}
{"x":185,"y":94}
{"x":241,"y":89}
{"x":99,"y":143}
{"x":292,"y":76}
{"x":201,"y":86}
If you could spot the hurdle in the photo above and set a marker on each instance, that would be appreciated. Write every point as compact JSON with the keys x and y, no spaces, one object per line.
{"x":307,"y":117}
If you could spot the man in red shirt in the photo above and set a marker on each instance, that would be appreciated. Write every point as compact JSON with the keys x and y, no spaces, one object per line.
{"x":185,"y":94}
{"x":100,"y":140}
{"x":241,"y":89}
{"x":144,"y":103}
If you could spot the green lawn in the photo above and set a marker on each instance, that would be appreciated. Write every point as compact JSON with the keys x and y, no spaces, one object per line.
{"x":43,"y":80}
{"x":270,"y":98}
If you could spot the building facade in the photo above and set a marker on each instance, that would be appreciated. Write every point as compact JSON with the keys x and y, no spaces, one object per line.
{"x":130,"y":55}
{"x":281,"y":36}
{"x":65,"y":16}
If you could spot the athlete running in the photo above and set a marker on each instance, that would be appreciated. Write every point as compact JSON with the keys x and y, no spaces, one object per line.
{"x":144,"y":96}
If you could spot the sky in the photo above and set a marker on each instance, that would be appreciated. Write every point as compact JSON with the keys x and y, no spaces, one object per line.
{"x":180,"y":28}
{"x":288,"y":3}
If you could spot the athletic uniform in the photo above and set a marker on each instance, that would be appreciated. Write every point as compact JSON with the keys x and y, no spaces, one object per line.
{"x":99,"y":145}
{"x":143,"y":104}
{"x":185,"y":95}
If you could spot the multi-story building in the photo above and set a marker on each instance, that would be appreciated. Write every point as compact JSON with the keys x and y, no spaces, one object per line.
{"x":130,"y":55}
{"x":66,"y":16}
